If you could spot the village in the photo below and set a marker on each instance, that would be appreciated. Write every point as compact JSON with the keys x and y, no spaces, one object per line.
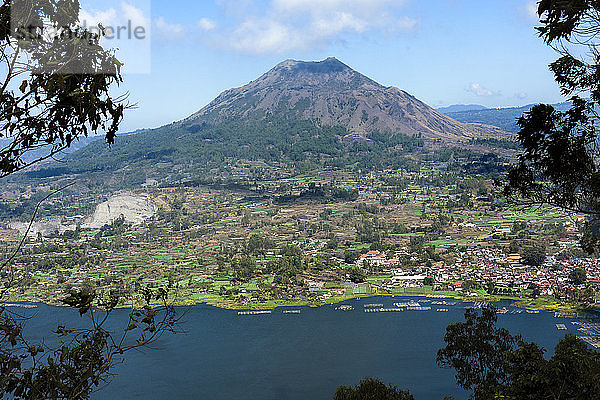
{"x":505,"y":272}
{"x":321,"y":240}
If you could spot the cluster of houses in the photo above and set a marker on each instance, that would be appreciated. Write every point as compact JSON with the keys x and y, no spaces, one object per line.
{"x":507,"y":271}
{"x":378,"y":258}
{"x":487,"y":265}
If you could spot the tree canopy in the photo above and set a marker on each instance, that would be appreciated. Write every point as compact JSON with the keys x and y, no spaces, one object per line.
{"x":56,"y":82}
{"x":559,"y":163}
{"x":371,"y":389}
{"x":497,"y":365}
{"x":578,"y":276}
{"x":534,"y":255}
{"x":492,"y":363}
{"x":54,"y":89}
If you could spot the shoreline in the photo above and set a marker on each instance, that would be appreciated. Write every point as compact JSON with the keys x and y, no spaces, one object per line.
{"x":523,"y":303}
{"x":517,"y":302}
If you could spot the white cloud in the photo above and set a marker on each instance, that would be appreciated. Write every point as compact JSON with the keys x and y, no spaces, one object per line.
{"x":336,"y":23}
{"x":206,"y":24}
{"x":300,"y":24}
{"x":132,"y":45}
{"x":114,"y":18}
{"x":169,"y":31}
{"x":480,"y":91}
{"x":279,"y":26}
{"x":92,"y":18}
{"x":407,"y":25}
{"x":135,"y":15}
{"x":264,"y":36}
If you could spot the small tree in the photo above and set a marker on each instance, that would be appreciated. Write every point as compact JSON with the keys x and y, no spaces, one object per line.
{"x":560,"y":158}
{"x":535,"y":291}
{"x":351,"y":256}
{"x":497,"y":365}
{"x":56,"y":87}
{"x":357,"y":275}
{"x":371,"y":389}
{"x":578,"y":276}
{"x":534,"y":255}
{"x":83,"y":359}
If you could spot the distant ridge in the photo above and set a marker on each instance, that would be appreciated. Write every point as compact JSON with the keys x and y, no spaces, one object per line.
{"x":461,"y":108}
{"x":503,"y":118}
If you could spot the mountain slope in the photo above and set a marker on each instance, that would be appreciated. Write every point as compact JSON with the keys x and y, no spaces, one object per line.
{"x":296,"y":117}
{"x":332,"y":94}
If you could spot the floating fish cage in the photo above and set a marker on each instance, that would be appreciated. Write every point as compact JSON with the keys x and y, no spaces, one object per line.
{"x":254,"y":312}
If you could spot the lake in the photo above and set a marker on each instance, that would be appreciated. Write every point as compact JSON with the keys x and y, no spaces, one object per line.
{"x":223,"y":355}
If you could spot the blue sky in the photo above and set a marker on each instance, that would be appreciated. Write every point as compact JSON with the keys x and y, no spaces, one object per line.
{"x":442,"y":51}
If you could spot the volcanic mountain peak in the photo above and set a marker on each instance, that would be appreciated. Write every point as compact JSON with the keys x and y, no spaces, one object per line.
{"x":332,"y":94}
{"x":329,"y":74}
{"x":328,"y":65}
{"x":298,"y":115}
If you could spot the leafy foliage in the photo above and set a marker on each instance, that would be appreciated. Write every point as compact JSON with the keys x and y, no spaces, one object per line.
{"x":559,"y":164}
{"x":357,"y":275}
{"x":496,"y":365}
{"x":578,"y":276}
{"x":534,"y":255}
{"x":83,"y":358}
{"x":371,"y":389}
{"x":55,"y":89}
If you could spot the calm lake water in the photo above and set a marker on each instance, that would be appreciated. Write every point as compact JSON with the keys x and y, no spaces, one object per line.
{"x":304,"y":356}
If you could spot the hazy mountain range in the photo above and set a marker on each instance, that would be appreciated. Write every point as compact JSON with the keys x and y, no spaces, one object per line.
{"x":461,"y":107}
{"x":503,"y":118}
